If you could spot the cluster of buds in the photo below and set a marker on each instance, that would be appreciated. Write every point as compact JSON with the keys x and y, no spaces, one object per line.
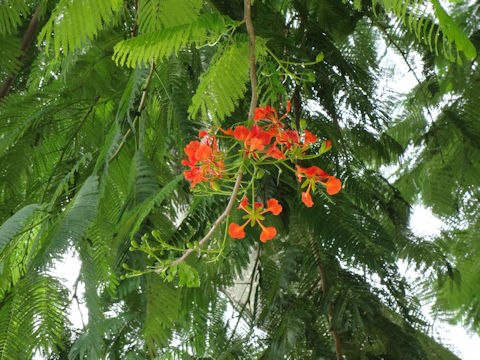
{"x":267,"y":140}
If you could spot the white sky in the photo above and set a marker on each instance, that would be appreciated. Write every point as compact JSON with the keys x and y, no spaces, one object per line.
{"x":423,"y":222}
{"x":466,"y":346}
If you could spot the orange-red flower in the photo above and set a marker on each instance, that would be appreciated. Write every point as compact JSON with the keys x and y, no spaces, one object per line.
{"x":315,"y":174}
{"x":265,"y":112}
{"x":258,"y":139}
{"x":309,"y":138}
{"x":255,"y":215}
{"x":267,"y":233}
{"x":236,"y":231}
{"x":333,"y":185}
{"x":274,"y":206}
{"x":269,"y":113}
{"x":288,"y":138}
{"x":204,"y":159}
{"x":307,"y":198}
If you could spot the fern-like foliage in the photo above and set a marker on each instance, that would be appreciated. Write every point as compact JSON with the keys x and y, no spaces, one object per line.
{"x":72,"y":226}
{"x":36,"y":305}
{"x":11,"y":14}
{"x":155,"y":15}
{"x":15,"y":223}
{"x":432,"y":28}
{"x":224,"y":82}
{"x":106,"y":171}
{"x":74,"y":23}
{"x":9,"y":53}
{"x":163,"y":307}
{"x":165,"y":42}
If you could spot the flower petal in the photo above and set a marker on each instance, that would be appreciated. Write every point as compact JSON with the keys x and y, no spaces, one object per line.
{"x":274,"y":206}
{"x":268,"y":233}
{"x":307,"y":199}
{"x":243,"y":203}
{"x":333,"y":185}
{"x":236,"y":231}
{"x":203,"y":152}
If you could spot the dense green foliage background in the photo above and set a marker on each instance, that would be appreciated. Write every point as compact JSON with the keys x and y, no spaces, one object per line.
{"x":99,"y":98}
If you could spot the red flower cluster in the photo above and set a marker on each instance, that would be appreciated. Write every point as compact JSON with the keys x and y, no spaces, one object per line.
{"x":255,"y":214}
{"x":204,"y":159}
{"x":258,"y":140}
{"x":266,"y":139}
{"x":315,"y":174}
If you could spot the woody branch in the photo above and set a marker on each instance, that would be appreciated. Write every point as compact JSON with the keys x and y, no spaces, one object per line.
{"x":251,"y":112}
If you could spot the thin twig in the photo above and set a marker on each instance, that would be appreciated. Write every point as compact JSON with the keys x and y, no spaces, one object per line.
{"x":75,"y":296}
{"x":405,"y":58}
{"x":336,"y":336}
{"x":247,"y":301}
{"x":251,"y":43}
{"x":139,"y":112}
{"x":67,"y":145}
{"x":213,"y":228}
{"x":135,"y":23}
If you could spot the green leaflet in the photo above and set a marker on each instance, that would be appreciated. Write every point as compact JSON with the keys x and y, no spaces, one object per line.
{"x":9,"y":52}
{"x":129,"y":96}
{"x":15,"y":223}
{"x":422,"y":24}
{"x":155,"y":200}
{"x":35,"y":305}
{"x":12,"y":13}
{"x":223,"y":84}
{"x":154,"y":15}
{"x":162,"y":43}
{"x":74,"y":23}
{"x":163,"y":305}
{"x":453,"y":33}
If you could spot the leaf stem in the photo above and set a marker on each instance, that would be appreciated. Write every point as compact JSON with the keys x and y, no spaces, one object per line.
{"x":139,"y":112}
{"x":251,"y":42}
{"x":212,"y":229}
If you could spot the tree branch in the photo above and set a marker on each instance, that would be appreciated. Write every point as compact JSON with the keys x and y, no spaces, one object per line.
{"x":251,"y":114}
{"x":405,"y":59}
{"x":26,"y":41}
{"x":251,"y":42}
{"x":213,"y":228}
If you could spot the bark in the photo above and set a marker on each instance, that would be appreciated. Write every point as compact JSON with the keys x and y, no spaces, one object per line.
{"x":26,"y":42}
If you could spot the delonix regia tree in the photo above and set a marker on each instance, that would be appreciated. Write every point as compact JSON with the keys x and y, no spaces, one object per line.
{"x":135,"y":135}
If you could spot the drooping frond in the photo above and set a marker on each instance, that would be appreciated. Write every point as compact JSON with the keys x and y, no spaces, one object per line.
{"x":74,"y":23}
{"x":11,"y":14}
{"x":15,"y":223}
{"x":9,"y":52}
{"x":162,"y":43}
{"x":432,"y":28}
{"x":35,"y":305}
{"x":72,"y":226}
{"x":163,"y":307}
{"x":224,"y":82}
{"x":155,"y":15}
